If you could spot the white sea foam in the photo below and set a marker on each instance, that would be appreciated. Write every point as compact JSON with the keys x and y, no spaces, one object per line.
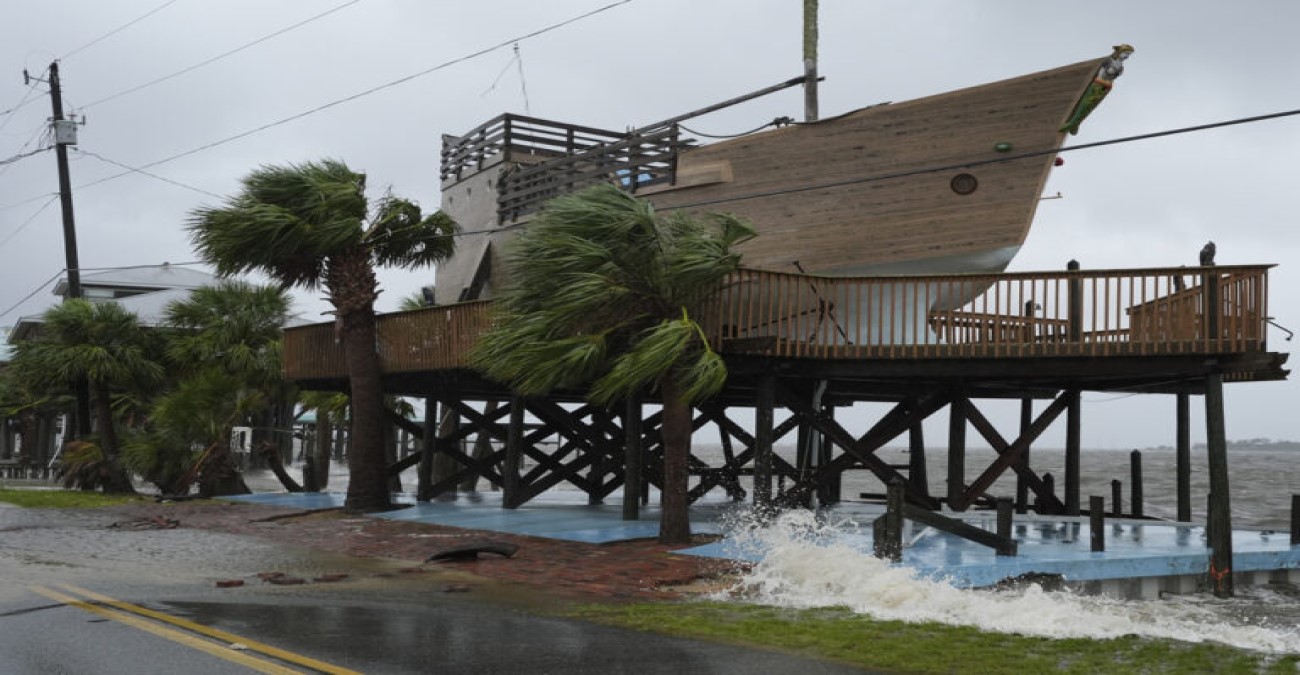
{"x":805,"y":563}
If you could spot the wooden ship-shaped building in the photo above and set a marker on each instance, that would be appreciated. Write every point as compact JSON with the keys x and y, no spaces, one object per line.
{"x":877,"y":275}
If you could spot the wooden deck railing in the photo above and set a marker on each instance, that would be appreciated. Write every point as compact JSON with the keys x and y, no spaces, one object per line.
{"x":1075,"y":313}
{"x":1101,"y":312}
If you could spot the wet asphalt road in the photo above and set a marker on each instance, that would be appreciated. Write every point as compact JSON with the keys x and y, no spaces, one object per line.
{"x":378,"y":620}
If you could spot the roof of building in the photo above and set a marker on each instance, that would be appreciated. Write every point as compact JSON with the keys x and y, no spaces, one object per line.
{"x":150,"y":277}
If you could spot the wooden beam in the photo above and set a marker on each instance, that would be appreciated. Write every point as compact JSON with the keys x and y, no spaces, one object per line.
{"x":1008,"y":455}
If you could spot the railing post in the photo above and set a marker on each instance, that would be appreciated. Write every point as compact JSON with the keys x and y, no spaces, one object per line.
{"x":1075,"y":329}
{"x":1097,"y":522}
{"x":1213,"y":309}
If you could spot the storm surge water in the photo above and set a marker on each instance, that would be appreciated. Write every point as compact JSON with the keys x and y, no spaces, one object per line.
{"x":806,"y":563}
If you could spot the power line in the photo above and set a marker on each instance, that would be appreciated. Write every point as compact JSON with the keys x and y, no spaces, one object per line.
{"x":119,"y":29}
{"x":331,"y":104}
{"x":22,"y":102}
{"x":36,"y":133}
{"x":27,"y":201}
{"x":116,"y":268}
{"x":30,"y":218}
{"x":20,"y":156}
{"x":146,"y":173}
{"x":31,"y":295}
{"x":218,"y":57}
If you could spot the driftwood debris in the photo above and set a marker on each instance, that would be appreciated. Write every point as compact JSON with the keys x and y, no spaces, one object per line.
{"x":471,"y":551}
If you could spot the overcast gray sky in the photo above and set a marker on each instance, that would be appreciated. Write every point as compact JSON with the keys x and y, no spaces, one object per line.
{"x":1151,"y":203}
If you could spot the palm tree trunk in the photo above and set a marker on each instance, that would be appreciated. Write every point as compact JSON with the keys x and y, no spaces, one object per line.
{"x":367,"y":468}
{"x":115,"y":479}
{"x":675,"y":522}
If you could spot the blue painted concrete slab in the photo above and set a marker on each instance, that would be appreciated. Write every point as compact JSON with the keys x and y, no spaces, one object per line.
{"x":1047,"y":544}
{"x":554,"y":515}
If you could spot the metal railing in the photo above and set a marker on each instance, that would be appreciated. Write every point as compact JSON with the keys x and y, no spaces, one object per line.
{"x":555,"y":158}
{"x":1031,"y":314}
{"x":517,"y":134}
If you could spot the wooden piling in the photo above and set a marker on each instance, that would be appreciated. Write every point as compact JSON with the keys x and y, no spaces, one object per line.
{"x":763,"y":424}
{"x":1116,"y":499}
{"x":1005,"y":510}
{"x":887,"y":530}
{"x":1097,"y":522}
{"x":510,"y":488}
{"x":632,"y":458}
{"x":1135,"y":484}
{"x":956,"y":458}
{"x":1295,"y":520}
{"x":1183,"y":460}
{"x":1220,"y":508}
{"x":916,"y":470}
{"x":1073,"y":436}
{"x":1022,"y":487}
{"x":424,"y":471}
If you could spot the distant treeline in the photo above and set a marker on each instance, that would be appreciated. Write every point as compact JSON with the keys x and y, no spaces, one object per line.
{"x":1246,"y":444}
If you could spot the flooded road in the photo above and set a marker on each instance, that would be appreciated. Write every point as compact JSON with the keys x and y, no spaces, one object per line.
{"x":81,"y":595}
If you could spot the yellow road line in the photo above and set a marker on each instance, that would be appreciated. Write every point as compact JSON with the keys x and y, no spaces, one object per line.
{"x":220,"y":651}
{"x":283,"y":655}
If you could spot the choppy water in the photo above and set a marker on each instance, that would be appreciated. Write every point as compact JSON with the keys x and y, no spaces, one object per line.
{"x":803,"y":568}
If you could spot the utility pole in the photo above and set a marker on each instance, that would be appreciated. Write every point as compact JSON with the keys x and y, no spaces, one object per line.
{"x":65,"y":134}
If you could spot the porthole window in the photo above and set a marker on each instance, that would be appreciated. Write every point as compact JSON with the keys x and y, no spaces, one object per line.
{"x":964,"y":184}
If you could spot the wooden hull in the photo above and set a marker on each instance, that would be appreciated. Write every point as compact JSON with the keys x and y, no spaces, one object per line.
{"x":867,"y":193}
{"x":893,"y":208}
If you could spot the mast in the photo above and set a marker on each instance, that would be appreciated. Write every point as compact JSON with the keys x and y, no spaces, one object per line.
{"x":810,"y":60}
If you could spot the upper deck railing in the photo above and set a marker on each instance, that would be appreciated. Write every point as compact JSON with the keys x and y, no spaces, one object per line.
{"x":555,"y":158}
{"x":1201,"y":310}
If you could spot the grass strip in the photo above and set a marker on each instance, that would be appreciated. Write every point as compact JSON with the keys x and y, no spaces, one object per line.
{"x":840,"y":635}
{"x":62,"y":499}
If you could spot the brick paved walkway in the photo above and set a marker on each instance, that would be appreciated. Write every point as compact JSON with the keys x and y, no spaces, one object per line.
{"x":643,"y":569}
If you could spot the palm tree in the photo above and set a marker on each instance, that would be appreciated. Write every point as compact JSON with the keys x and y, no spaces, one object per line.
{"x":601,"y":292}
{"x":311,"y":225}
{"x":226,"y":338}
{"x":106,"y":345}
